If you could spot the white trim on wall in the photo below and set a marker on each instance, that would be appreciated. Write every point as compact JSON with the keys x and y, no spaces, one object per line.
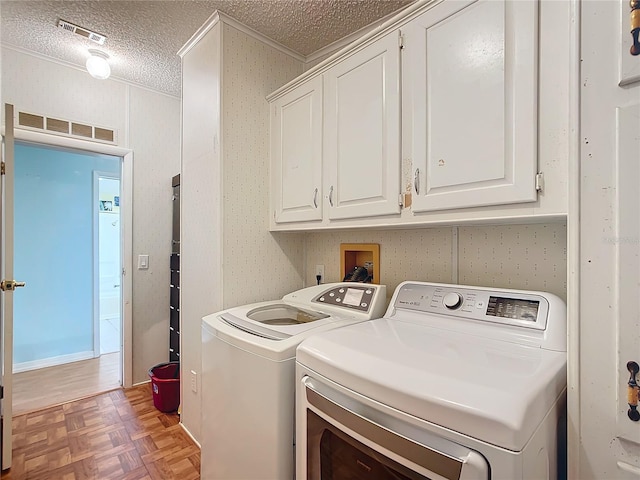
{"x":51,"y":361}
{"x":574,"y":446}
{"x":126,"y":212}
{"x":126,"y":249}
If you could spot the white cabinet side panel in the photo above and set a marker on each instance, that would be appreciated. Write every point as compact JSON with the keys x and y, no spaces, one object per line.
{"x":200,"y":216}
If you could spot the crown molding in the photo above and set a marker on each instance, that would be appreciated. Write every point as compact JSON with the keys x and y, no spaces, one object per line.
{"x":217,"y":17}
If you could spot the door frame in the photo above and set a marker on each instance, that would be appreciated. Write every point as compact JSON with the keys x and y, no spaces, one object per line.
{"x":97,"y":175}
{"x":6,"y":303}
{"x":126,"y":217}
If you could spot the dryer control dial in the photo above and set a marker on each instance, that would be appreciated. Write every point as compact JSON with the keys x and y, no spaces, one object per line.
{"x":452,"y":300}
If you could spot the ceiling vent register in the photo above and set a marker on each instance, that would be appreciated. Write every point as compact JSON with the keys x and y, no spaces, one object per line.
{"x":65,"y":127}
{"x":83,"y":32}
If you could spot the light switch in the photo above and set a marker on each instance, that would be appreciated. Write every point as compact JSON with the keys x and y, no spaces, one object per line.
{"x":143,"y":262}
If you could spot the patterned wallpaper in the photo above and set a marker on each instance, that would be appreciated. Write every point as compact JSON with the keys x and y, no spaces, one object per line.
{"x":270,"y":264}
{"x":528,"y":257}
{"x":154,"y":121}
{"x":418,"y":254}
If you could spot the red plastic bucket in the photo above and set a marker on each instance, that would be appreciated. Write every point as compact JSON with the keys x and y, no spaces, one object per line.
{"x":165,"y":386}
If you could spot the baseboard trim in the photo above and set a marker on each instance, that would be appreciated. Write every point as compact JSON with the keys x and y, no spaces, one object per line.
{"x":190,"y":436}
{"x":52,"y":361}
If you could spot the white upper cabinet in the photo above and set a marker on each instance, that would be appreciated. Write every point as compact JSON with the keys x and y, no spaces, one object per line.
{"x":362,"y":131}
{"x":456,"y":106}
{"x":296,"y":154}
{"x":471,"y":68}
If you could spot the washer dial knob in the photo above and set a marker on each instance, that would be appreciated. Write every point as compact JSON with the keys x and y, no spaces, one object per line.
{"x":452,"y":300}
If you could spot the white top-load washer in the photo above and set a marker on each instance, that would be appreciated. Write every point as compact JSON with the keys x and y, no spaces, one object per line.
{"x":248,"y":375}
{"x":454,"y":382}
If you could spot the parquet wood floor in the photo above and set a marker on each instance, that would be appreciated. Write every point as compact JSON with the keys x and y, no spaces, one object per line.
{"x":118,"y":435}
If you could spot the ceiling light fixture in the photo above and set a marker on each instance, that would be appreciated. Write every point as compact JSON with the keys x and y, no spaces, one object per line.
{"x":97,"y":64}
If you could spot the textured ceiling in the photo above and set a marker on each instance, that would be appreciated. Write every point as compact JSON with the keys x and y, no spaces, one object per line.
{"x":144,"y":36}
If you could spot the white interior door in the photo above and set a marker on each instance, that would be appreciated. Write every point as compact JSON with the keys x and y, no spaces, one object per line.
{"x":6,"y":298}
{"x":605,"y":441}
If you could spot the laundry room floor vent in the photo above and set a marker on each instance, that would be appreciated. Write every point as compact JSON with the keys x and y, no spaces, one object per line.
{"x":67,"y":128}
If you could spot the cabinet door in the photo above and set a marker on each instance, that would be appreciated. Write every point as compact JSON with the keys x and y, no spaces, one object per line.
{"x":296,"y":154}
{"x":471,"y":68}
{"x":362,"y":132}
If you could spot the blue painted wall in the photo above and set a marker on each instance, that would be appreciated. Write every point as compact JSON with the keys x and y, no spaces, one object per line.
{"x":53,"y":231}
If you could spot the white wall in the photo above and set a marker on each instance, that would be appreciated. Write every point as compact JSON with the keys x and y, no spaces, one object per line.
{"x":149,"y":124}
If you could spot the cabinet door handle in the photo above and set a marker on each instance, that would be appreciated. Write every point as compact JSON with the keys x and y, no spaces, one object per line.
{"x":632,"y":391}
{"x":416,"y":181}
{"x":635,"y":27}
{"x":315,"y":198}
{"x":331,"y":195}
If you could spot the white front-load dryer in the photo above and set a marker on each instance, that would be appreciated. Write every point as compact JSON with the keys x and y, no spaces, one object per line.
{"x":248,"y":375}
{"x":454,"y":382}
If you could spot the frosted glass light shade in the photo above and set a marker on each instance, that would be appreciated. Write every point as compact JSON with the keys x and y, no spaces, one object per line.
{"x":97,"y":65}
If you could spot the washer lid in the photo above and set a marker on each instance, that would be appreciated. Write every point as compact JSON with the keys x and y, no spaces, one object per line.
{"x":494,"y":391}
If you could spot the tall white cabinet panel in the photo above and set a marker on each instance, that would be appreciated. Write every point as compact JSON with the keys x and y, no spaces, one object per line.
{"x":471,"y":67}
{"x":296,"y":150}
{"x":362,"y":132}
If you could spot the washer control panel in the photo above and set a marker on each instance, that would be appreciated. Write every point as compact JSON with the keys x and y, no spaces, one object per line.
{"x":506,"y":307}
{"x":357,"y":297}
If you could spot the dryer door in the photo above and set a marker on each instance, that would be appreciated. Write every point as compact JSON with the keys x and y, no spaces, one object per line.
{"x":347,"y":439}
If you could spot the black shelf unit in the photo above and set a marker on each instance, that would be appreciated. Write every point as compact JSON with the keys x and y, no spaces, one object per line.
{"x":174,"y":265}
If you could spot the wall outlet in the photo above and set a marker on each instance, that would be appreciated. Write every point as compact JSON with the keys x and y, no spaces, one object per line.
{"x":194,"y":381}
{"x":320,"y":271}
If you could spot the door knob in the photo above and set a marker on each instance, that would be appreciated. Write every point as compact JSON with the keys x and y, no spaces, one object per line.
{"x":10,"y":285}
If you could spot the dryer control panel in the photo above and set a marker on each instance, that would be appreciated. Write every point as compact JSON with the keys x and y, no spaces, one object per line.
{"x":520,"y":316}
{"x":525,"y":309}
{"x":358,"y":297}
